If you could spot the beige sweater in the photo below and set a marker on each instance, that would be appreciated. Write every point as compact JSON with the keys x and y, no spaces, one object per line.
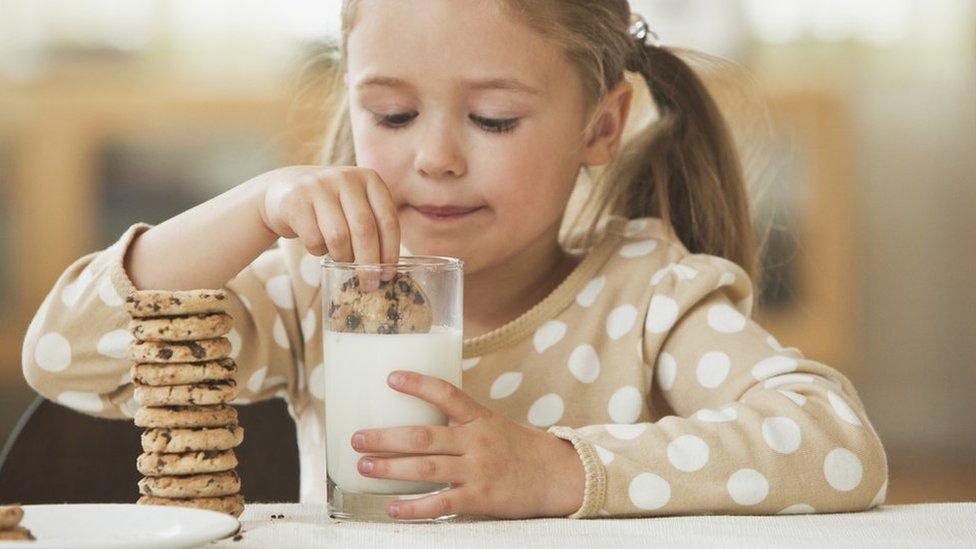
{"x":645,"y":357}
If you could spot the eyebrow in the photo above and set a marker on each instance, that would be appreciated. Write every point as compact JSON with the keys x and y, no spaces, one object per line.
{"x":505,"y":84}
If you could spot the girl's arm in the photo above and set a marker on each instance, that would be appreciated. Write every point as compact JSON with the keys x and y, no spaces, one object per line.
{"x":756,"y":429}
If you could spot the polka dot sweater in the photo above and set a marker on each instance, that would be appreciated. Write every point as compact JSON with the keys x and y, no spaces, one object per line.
{"x":645,"y":358}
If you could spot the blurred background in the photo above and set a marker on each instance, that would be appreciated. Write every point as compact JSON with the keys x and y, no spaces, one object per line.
{"x":117,"y":111}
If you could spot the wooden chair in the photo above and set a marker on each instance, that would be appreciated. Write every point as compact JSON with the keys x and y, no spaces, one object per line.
{"x":57,"y":455}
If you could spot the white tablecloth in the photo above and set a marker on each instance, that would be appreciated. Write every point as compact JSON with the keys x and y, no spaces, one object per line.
{"x":927,"y":525}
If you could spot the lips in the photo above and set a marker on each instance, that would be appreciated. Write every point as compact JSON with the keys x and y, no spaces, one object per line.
{"x":445,"y":211}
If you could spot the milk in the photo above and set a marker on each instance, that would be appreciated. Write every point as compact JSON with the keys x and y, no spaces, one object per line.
{"x":357,"y":396}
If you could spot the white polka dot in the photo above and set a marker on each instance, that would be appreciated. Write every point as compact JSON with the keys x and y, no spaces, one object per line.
{"x":842,"y":469}
{"x":72,"y":291}
{"x":235,"y":342}
{"x":548,"y":335}
{"x":681,"y":272}
{"x":310,"y":270}
{"x":505,"y":385}
{"x":584,"y":363}
{"x":469,"y":363}
{"x":717,"y":416}
{"x":688,"y":453}
{"x":625,"y":431}
{"x":52,"y":352}
{"x":308,"y":326}
{"x":772,"y":342}
{"x":638,"y":249}
{"x":661,"y":314}
{"x":787,"y":379}
{"x":797,"y":509}
{"x":621,"y":320}
{"x":799,"y":399}
{"x":634,"y":227}
{"x":241,"y":401}
{"x":712,"y":369}
{"x":667,"y":370}
{"x":271,"y":382}
{"x":256,"y":380}
{"x":129,"y":407}
{"x":125,"y":378}
{"x":879,"y":498}
{"x":546,"y":411}
{"x":723,"y":318}
{"x":625,"y":405}
{"x":316,"y":382}
{"x":649,"y":491}
{"x":772,"y":366}
{"x":83,"y":402}
{"x":727,"y":279}
{"x":589,"y":293}
{"x":279,"y":289}
{"x":747,"y":487}
{"x":606,"y":456}
{"x":842,"y":409}
{"x":782,"y":434}
{"x":107,"y":293}
{"x":279,"y":333}
{"x":114,"y":344}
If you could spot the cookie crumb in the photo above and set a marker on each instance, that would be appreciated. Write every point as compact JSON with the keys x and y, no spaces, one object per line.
{"x":238,"y":537}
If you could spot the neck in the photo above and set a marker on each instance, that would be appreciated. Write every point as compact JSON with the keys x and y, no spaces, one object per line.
{"x":502,"y":292}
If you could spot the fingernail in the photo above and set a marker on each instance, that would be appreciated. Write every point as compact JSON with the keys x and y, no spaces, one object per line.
{"x":393,"y":510}
{"x":396,"y":379}
{"x":358,"y":441}
{"x":366,"y":465}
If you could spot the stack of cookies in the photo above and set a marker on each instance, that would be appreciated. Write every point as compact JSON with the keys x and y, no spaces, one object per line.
{"x":10,"y":528}
{"x":184,"y":378}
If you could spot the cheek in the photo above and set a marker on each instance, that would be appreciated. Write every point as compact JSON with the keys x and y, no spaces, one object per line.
{"x":377,"y":151}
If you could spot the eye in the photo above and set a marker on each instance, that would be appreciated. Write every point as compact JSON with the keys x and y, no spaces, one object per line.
{"x":394,"y":121}
{"x":496,"y":125}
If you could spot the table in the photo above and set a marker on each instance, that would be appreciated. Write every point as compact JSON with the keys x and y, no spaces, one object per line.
{"x":920,"y":525}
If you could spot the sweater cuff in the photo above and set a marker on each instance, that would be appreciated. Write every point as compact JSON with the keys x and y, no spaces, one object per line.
{"x":117,"y":252}
{"x":595,"y":490}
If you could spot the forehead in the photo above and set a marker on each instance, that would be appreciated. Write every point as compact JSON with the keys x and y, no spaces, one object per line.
{"x":450,"y":42}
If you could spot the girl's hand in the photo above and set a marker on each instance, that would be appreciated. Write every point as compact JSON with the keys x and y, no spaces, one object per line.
{"x":496,"y":467}
{"x":345,"y":211}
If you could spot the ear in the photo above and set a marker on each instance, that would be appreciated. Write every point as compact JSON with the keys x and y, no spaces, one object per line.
{"x":604,"y":139}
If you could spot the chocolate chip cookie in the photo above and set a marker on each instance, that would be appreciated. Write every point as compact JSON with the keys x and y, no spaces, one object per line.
{"x":206,"y":393}
{"x":189,"y":439}
{"x":186,"y":416}
{"x":187,"y":463}
{"x":191,"y":486}
{"x":181,"y":328}
{"x":153,"y":303}
{"x":179,"y":351}
{"x":397,"y":306}
{"x":183,"y":373}
{"x":232,"y":505}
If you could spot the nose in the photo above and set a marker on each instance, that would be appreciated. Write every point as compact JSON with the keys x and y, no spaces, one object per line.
{"x":439,"y":152}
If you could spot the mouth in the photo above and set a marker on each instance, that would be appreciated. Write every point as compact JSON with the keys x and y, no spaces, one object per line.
{"x":446,"y":212}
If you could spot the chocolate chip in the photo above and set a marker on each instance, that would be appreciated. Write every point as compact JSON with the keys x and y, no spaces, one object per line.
{"x":196,"y":349}
{"x":383,"y":329}
{"x":404,"y":286}
{"x":418,"y":299}
{"x":238,"y":537}
{"x":391,"y":313}
{"x":332,"y":307}
{"x":165,"y":354}
{"x":352,"y":322}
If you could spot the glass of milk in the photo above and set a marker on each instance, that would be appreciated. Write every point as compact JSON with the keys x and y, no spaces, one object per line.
{"x":378,"y":318}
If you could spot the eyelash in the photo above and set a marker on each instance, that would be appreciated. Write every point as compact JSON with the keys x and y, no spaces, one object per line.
{"x":491,"y":125}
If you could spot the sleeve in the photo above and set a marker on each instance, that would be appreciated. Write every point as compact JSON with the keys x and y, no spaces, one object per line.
{"x":748,"y":427}
{"x":74,"y":351}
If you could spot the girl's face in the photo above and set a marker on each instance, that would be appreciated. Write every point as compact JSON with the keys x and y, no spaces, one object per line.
{"x":454,"y":104}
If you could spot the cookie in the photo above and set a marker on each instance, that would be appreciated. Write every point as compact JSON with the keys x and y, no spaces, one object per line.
{"x":17,"y":533}
{"x":154,"y":464}
{"x":181,"y":328}
{"x":186,"y":416}
{"x":150,"y":303}
{"x":179,"y":351}
{"x":10,"y":515}
{"x":232,"y":505}
{"x":187,"y":440}
{"x":397,"y":306}
{"x":191,"y":486}
{"x":210,"y":392}
{"x":184,"y":373}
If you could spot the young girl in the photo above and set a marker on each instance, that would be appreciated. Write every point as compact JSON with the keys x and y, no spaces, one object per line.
{"x":626,"y":380}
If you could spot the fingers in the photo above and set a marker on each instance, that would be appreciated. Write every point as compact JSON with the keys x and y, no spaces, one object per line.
{"x":449,"y":502}
{"x":387,"y":221}
{"x":332,"y":225}
{"x":362,"y":231}
{"x":448,"y":398}
{"x":443,"y":469}
{"x":421,"y":439}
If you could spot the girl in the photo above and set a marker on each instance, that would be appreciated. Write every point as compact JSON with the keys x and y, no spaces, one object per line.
{"x":623,"y":380}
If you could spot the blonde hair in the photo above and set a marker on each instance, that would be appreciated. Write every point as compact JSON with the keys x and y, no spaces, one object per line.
{"x":683,"y":167}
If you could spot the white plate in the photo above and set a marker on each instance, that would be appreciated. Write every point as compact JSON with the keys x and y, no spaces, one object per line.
{"x":122,"y":525}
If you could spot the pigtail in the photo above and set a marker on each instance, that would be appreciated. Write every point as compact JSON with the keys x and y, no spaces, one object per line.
{"x":684,"y":167}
